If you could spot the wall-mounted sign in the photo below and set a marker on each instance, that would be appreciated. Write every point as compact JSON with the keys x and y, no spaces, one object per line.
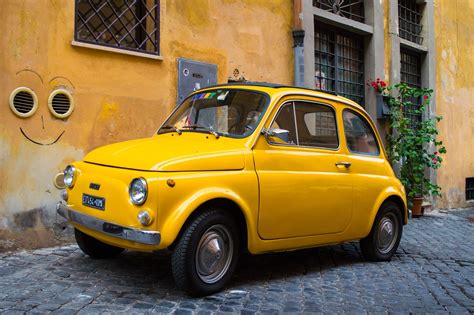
{"x":194,"y":75}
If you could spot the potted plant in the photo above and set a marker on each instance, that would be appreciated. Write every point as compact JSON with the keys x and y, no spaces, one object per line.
{"x":412,"y":143}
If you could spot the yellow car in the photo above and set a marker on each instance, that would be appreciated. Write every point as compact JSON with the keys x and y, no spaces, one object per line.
{"x":239,"y":167}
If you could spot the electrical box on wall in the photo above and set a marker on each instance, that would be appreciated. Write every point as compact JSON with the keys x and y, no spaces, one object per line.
{"x":194,"y":75}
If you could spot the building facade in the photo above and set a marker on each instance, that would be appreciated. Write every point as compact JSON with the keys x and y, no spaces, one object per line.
{"x":80,"y":74}
{"x":423,"y":43}
{"x":116,"y":63}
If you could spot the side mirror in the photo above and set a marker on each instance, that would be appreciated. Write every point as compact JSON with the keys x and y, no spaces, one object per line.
{"x":277,"y":135}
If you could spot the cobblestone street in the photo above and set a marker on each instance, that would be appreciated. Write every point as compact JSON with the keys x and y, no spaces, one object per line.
{"x":433,"y":271}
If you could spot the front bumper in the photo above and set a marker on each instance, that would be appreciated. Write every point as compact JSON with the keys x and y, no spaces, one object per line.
{"x":130,"y":234}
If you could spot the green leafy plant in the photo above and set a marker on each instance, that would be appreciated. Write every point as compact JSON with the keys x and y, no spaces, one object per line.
{"x":413,"y":143}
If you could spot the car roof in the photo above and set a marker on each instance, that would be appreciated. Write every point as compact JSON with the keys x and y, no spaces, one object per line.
{"x":274,"y":88}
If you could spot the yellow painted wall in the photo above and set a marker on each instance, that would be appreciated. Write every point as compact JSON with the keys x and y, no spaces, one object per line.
{"x":454,"y":23}
{"x":118,"y":97}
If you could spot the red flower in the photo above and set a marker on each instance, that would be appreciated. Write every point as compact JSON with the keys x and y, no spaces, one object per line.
{"x":378,"y":85}
{"x":436,"y":152}
{"x":425,"y":97}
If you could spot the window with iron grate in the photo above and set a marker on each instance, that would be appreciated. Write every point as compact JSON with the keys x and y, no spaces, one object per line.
{"x":470,"y":188}
{"x":409,"y":18}
{"x":410,"y":73}
{"x":351,"y":9}
{"x":125,"y":24}
{"x":339,"y":62}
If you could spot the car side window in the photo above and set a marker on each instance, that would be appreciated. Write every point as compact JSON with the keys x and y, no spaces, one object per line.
{"x":360,"y":137}
{"x":283,"y":129}
{"x":316,"y":125}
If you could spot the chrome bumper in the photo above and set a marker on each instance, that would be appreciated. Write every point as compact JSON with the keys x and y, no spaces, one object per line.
{"x":111,"y":229}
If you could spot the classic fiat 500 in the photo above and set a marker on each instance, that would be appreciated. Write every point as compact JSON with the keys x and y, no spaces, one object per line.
{"x":245,"y":167}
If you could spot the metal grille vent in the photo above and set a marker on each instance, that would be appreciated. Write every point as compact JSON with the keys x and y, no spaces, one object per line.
{"x":61,"y":103}
{"x":470,"y":188}
{"x":23,"y":102}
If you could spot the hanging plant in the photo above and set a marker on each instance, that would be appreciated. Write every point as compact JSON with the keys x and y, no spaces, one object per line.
{"x":413,"y":143}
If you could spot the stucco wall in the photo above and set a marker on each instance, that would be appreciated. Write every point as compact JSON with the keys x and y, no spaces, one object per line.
{"x":118,"y":97}
{"x":454,"y":22}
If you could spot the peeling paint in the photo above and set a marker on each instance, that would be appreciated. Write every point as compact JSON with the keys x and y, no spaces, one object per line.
{"x":455,"y":98}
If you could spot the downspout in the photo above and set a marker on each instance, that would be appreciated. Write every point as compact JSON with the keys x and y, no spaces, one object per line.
{"x":298,"y":45}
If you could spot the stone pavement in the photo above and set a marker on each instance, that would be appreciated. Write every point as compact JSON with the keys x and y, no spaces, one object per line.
{"x":433,"y":271}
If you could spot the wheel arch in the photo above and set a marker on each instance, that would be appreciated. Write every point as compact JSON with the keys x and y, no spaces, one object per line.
{"x":393,"y":196}
{"x":401,"y":205}
{"x":222,"y":203}
{"x":389,"y":195}
{"x":239,"y":210}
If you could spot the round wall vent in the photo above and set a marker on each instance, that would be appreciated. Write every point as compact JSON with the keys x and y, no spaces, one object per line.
{"x":61,"y":103}
{"x":59,"y":181}
{"x":23,"y":102}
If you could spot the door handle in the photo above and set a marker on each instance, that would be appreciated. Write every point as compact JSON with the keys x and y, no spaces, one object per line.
{"x":345,"y":164}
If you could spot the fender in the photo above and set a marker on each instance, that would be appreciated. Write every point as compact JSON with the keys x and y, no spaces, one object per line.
{"x":175,"y":222}
{"x":384,"y":195}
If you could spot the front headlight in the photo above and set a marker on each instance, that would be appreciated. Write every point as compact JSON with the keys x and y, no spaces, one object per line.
{"x":69,"y":176}
{"x":138,"y":191}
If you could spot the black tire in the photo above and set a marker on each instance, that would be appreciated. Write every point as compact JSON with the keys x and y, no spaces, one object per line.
{"x":95,"y":248}
{"x":372,"y":246}
{"x":210,"y":225}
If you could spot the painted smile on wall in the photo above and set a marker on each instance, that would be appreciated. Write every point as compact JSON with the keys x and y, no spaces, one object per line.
{"x":39,"y":143}
{"x":24,"y":103}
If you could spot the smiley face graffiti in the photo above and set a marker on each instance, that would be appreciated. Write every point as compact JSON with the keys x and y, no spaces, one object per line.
{"x":25,"y":103}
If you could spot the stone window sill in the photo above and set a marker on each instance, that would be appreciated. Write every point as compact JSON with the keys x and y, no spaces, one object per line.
{"x":116,"y":50}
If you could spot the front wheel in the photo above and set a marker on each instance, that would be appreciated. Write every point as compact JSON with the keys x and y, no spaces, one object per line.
{"x":95,"y":248}
{"x":206,"y":253}
{"x":384,"y":238}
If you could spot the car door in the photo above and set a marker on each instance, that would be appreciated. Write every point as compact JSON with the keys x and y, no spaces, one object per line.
{"x":305,"y":187}
{"x":369,"y":168}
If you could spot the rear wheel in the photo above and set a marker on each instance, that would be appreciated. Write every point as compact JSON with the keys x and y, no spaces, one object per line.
{"x":95,"y":248}
{"x":384,"y":238}
{"x":206,"y":253}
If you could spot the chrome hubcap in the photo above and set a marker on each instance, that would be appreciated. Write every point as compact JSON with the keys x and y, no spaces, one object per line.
{"x":387,"y":233}
{"x":214,"y":253}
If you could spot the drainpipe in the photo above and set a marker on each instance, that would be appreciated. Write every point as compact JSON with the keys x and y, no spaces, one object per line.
{"x":298,"y":43}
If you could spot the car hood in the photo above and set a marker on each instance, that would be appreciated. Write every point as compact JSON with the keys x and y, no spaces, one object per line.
{"x":170,"y":153}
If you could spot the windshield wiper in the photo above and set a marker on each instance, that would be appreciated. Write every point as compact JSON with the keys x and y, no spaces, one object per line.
{"x":193,"y":126}
{"x":172,"y":128}
{"x":208,"y":129}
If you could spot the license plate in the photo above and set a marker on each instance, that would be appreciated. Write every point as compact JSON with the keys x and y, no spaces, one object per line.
{"x":93,"y":202}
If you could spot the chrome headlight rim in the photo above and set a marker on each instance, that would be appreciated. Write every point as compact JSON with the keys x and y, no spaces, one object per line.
{"x":69,"y":176}
{"x":145,"y":195}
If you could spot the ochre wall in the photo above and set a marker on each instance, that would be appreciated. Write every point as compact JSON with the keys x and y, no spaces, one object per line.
{"x":454,"y":29}
{"x":118,"y":97}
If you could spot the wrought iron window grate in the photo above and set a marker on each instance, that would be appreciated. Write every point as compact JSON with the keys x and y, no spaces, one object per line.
{"x":470,"y":188}
{"x":339,"y":62}
{"x":410,"y":73}
{"x":409,"y":18}
{"x":126,"y":24}
{"x":351,"y":9}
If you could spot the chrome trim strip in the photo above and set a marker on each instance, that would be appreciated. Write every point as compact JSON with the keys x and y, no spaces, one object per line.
{"x":111,"y":229}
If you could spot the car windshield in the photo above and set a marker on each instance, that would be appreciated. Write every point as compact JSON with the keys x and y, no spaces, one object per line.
{"x":226,"y":112}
